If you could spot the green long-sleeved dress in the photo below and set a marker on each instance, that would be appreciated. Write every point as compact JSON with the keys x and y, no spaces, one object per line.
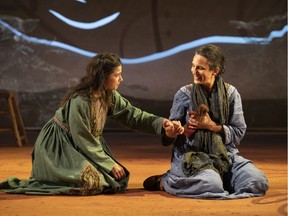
{"x":70,"y":155}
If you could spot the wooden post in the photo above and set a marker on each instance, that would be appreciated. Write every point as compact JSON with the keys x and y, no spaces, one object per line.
{"x":15,"y":116}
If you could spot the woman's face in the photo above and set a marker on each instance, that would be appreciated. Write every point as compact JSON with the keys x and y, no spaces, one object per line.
{"x":201,"y":72}
{"x":114,"y":79}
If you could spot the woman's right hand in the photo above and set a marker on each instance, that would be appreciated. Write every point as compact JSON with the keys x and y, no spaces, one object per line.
{"x":189,"y":130}
{"x":118,"y":172}
{"x":172,"y":128}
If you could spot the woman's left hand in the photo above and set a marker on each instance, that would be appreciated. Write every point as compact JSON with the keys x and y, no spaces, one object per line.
{"x":203,"y":122}
{"x":118,"y":172}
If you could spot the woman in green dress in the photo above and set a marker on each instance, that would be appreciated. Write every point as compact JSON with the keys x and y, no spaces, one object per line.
{"x":70,"y":155}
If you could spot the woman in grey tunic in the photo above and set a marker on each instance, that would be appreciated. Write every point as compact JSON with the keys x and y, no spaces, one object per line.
{"x":205,"y":161}
{"x":70,"y":155}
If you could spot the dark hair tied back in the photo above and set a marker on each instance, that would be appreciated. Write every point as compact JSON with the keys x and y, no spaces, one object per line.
{"x":214,"y":55}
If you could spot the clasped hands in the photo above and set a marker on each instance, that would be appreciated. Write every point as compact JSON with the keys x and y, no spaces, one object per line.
{"x":195,"y":122}
{"x":172,"y":128}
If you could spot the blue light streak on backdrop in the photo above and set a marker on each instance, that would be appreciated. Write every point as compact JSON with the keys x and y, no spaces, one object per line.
{"x":159,"y":55}
{"x":82,"y":1}
{"x":86,"y":26}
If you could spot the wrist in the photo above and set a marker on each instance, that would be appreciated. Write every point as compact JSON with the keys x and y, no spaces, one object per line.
{"x":215,"y":128}
{"x":171,"y":135}
{"x":188,"y":132}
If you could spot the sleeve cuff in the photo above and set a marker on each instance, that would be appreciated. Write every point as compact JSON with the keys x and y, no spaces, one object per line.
{"x":167,"y":140}
{"x":227,"y":134}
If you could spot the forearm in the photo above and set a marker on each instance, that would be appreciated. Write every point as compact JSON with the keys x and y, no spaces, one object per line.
{"x":216,"y":129}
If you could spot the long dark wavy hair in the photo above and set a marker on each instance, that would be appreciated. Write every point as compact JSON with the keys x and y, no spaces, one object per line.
{"x":97,"y":72}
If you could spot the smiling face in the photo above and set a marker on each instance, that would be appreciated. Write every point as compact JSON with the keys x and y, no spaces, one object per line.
{"x":114,"y":79}
{"x":202,"y":73}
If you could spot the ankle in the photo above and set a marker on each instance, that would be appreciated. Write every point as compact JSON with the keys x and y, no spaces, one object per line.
{"x":161,"y":186}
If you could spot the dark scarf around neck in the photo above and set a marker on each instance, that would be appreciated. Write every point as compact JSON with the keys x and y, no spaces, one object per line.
{"x":209,"y":151}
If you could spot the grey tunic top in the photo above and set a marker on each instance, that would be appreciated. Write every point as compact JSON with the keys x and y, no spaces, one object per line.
{"x":234,"y":130}
{"x":208,"y":184}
